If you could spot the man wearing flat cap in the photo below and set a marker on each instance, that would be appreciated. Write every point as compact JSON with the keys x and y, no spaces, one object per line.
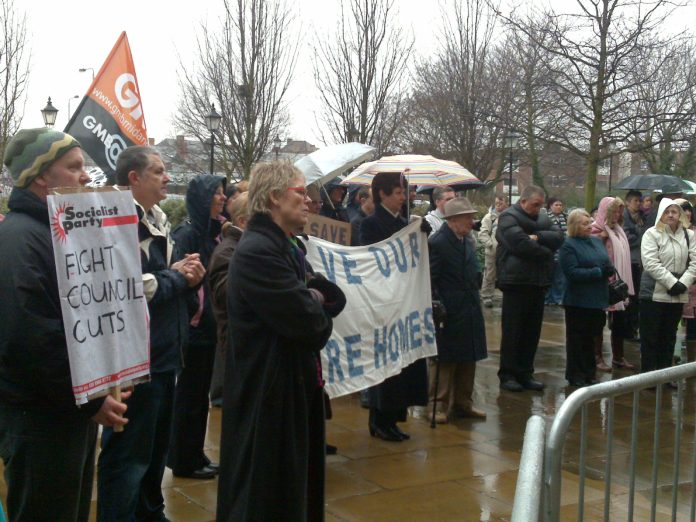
{"x":454,"y":274}
{"x":46,"y":442}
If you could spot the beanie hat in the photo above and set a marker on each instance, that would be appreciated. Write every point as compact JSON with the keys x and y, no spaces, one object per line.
{"x":32,"y":151}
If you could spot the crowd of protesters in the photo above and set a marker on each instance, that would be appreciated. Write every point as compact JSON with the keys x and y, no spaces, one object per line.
{"x":238,"y":317}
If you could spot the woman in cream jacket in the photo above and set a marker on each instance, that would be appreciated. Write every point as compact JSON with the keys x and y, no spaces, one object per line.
{"x":668,"y":252}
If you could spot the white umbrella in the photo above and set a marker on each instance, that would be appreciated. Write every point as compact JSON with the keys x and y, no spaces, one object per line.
{"x":693,"y":187}
{"x":325,"y":164}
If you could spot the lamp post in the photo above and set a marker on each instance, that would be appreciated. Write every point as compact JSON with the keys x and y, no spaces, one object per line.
{"x":49,"y":113}
{"x":212,"y":122}
{"x":85,"y":69}
{"x":353,"y":135}
{"x":611,"y":165}
{"x":511,"y":140}
{"x":69,"y":102}
{"x":276,"y":146}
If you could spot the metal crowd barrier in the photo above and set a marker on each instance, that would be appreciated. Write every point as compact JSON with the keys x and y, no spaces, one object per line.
{"x":526,"y":504}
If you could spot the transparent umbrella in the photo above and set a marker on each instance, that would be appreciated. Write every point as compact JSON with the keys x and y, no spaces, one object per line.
{"x":325,"y":164}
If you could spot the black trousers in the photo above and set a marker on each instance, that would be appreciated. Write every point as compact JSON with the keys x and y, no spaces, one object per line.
{"x":191,"y":407}
{"x":633,"y":309}
{"x":583,"y":326}
{"x":523,"y":311}
{"x":49,"y":464}
{"x":658,"y":333}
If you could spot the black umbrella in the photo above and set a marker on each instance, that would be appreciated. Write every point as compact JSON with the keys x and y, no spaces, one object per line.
{"x":657,"y":182}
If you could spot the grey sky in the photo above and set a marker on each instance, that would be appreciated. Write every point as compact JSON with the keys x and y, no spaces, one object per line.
{"x":82,"y":32}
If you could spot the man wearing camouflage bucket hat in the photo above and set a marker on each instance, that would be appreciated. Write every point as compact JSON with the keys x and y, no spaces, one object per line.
{"x":454,"y":275}
{"x":46,"y":442}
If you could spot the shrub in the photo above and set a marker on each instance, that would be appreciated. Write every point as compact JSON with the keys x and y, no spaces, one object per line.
{"x":175,"y":210}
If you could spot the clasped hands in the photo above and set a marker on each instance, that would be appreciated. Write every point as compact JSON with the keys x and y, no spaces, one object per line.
{"x":191,"y":268}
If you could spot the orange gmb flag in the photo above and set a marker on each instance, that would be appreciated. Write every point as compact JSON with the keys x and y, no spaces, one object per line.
{"x":110,"y":117}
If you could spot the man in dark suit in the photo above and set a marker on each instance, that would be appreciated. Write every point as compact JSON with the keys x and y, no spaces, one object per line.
{"x":390,"y":399}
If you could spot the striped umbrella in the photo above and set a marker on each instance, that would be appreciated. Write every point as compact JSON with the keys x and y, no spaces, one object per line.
{"x":418,"y":170}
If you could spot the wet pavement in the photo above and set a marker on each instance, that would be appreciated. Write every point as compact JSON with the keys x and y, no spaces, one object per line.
{"x":467,"y":470}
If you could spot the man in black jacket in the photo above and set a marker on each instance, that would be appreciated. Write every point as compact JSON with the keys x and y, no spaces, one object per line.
{"x":46,"y":441}
{"x":131,"y":463}
{"x":634,"y":226}
{"x":527,"y":241}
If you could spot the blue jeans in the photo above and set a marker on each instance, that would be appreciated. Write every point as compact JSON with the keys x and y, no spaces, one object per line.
{"x":557,"y":290}
{"x":131,"y":463}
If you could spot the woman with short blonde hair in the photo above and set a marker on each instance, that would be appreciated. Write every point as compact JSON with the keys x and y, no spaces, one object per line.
{"x":575,"y":221}
{"x":267,"y":179}
{"x":280,"y":318}
{"x":586,"y":266}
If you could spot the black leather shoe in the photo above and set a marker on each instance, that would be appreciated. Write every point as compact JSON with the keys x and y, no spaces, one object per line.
{"x":386,"y":434}
{"x":511,"y":385}
{"x":214,"y":466}
{"x":402,"y":434}
{"x":533,"y":385}
{"x":204,"y":473}
{"x":331,"y":449}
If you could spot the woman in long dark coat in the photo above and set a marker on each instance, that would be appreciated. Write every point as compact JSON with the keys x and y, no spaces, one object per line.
{"x":272,"y":447}
{"x":454,"y":275}
{"x":390,"y":399}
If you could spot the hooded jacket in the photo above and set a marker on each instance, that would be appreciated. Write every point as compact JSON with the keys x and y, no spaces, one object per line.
{"x":519,"y":259}
{"x":667,"y":257}
{"x":198,"y":234}
{"x":34,"y":366}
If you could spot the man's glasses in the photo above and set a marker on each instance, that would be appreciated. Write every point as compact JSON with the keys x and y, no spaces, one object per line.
{"x":301,"y":191}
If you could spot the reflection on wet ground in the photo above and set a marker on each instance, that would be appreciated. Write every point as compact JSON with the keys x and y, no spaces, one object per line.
{"x":467,"y":470}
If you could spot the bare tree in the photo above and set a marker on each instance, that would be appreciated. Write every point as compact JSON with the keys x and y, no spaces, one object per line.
{"x":360,"y":72}
{"x":14,"y":70}
{"x":244,"y":68}
{"x":461,"y":100}
{"x":523,"y":59}
{"x":666,"y":135}
{"x":591,"y":55}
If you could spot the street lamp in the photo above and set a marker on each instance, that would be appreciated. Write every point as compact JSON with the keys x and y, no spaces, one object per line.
{"x":511,"y":140}
{"x":69,"y":102}
{"x":611,"y":164}
{"x":85,"y":69}
{"x":276,"y":146}
{"x":212,"y":122}
{"x":353,"y":135}
{"x":49,"y":113}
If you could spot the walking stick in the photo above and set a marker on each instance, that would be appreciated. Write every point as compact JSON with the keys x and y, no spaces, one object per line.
{"x":439,"y":315}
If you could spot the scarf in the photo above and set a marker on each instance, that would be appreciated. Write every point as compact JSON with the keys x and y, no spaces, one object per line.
{"x":617,"y":247}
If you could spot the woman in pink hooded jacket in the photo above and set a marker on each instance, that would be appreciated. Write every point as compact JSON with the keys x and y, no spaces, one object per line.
{"x":607,"y":226}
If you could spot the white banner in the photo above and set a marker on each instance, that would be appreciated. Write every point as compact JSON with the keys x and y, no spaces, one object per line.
{"x":95,"y":242}
{"x":388,"y":320}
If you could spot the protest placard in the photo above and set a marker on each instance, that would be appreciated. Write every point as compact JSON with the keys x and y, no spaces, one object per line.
{"x":95,"y":243}
{"x":328,"y":229}
{"x":388,"y":320}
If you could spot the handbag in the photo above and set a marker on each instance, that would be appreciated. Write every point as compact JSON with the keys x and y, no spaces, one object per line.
{"x":618,"y":290}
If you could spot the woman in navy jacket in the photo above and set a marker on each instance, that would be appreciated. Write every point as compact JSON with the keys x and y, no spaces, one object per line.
{"x":586,"y":265}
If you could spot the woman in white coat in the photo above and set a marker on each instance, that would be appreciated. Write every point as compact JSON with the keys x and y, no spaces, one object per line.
{"x":668,"y":252}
